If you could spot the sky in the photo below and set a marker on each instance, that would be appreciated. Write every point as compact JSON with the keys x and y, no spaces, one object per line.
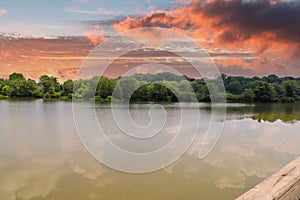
{"x":63,"y":17}
{"x":243,"y":37}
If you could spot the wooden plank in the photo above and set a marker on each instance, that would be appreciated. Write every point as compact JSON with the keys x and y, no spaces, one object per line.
{"x":283,"y":185}
{"x":293,"y":194}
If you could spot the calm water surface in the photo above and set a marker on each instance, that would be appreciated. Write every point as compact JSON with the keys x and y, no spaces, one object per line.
{"x":41,"y":156}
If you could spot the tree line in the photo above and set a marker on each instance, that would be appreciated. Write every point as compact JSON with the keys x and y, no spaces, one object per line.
{"x":163,"y":87}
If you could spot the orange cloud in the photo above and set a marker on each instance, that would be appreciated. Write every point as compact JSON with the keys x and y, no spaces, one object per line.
{"x":234,"y":25}
{"x":96,"y":35}
{"x":28,"y":56}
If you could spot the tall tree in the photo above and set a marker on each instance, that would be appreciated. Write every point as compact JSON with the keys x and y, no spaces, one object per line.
{"x":290,"y":88}
{"x":264,"y":92}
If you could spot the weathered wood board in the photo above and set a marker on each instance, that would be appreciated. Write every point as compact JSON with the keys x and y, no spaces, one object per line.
{"x":283,"y":185}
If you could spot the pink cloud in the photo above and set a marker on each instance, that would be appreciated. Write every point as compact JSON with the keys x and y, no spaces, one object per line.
{"x":3,"y":12}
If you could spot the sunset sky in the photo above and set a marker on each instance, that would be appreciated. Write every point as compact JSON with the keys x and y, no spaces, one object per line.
{"x":243,"y":37}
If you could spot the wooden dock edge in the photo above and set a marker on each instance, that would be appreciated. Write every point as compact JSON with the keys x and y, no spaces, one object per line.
{"x":283,"y":185}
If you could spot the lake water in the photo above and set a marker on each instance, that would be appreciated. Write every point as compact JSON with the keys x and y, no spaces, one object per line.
{"x":41,"y":156}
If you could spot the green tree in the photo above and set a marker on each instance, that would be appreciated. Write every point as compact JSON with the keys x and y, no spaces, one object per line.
{"x":6,"y":90}
{"x":128,"y":86}
{"x":142,"y":93}
{"x":85,"y":89}
{"x":234,"y":87}
{"x":272,"y":79}
{"x":248,"y":95}
{"x":156,"y":87}
{"x":117,"y":93}
{"x":158,"y":92}
{"x":16,"y":76}
{"x":50,"y":87}
{"x":290,"y":88}
{"x":2,"y":83}
{"x":264,"y":92}
{"x":105,"y":87}
{"x":18,"y":88}
{"x":33,"y":90}
{"x":67,"y":88}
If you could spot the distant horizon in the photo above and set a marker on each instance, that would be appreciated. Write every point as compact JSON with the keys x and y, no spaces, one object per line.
{"x":201,"y":78}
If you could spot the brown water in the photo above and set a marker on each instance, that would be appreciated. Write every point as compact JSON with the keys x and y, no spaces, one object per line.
{"x":41,"y":156}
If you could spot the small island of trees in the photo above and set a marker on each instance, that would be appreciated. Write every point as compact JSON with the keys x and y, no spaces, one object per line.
{"x":269,"y":89}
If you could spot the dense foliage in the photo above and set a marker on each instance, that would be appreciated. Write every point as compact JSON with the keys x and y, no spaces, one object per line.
{"x":164,"y":87}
